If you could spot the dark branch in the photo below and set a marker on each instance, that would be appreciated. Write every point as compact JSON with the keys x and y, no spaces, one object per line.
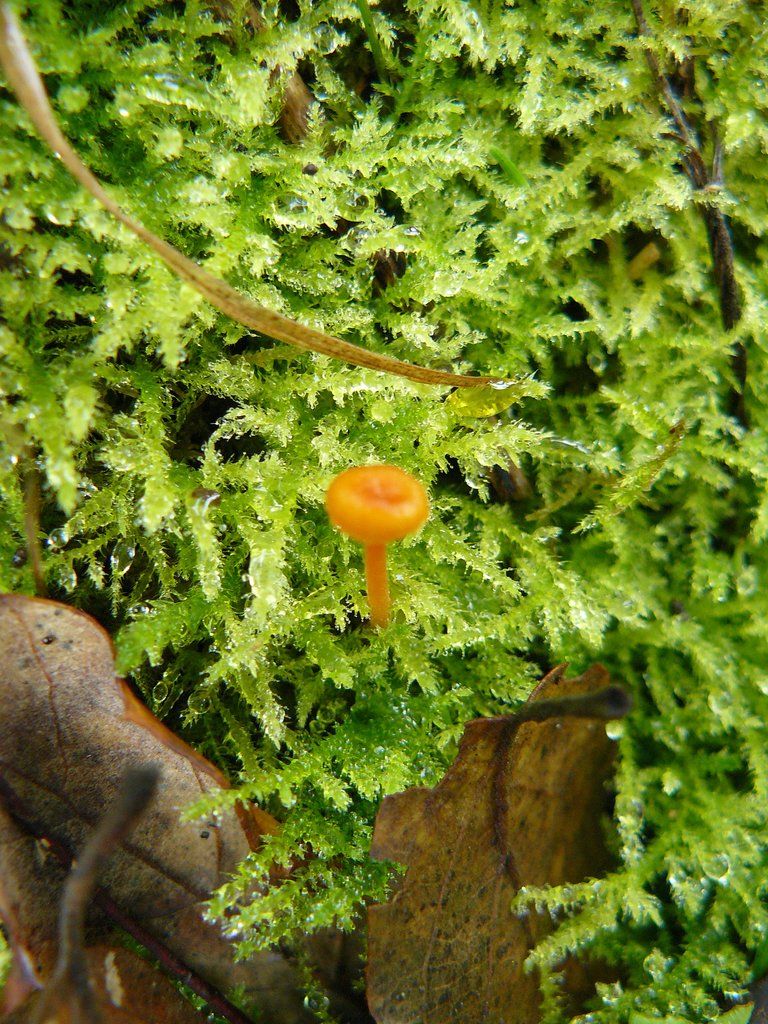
{"x":707,"y":184}
{"x":69,"y":993}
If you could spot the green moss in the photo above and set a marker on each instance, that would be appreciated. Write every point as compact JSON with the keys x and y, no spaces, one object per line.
{"x":515,"y":160}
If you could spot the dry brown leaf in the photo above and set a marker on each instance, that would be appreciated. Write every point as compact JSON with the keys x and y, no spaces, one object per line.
{"x":26,"y":82}
{"x":128,"y":991}
{"x":104,"y":984}
{"x":521,"y":805}
{"x":131,"y":991}
{"x":70,"y":730}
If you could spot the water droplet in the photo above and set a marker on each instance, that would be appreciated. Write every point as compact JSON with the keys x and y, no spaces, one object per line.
{"x":122,"y":556}
{"x":358,"y":233}
{"x":614,"y":730}
{"x":199,"y":703}
{"x":167,"y":80}
{"x":328,"y":38}
{"x":160,"y":692}
{"x":316,"y":1001}
{"x":566,"y":442}
{"x":86,"y":489}
{"x":68,"y":580}
{"x":57,"y":539}
{"x":357,"y":200}
{"x":412,"y":231}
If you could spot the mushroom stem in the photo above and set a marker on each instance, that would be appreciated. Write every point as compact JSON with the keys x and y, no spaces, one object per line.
{"x":375,"y":505}
{"x":377,"y":583}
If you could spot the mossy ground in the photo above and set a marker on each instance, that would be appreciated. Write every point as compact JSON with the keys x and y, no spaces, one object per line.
{"x":515,"y":165}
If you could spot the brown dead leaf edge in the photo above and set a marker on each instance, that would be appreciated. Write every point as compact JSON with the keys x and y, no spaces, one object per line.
{"x":521,"y":805}
{"x":70,"y":731}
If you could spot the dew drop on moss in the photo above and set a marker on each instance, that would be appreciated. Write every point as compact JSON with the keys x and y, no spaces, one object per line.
{"x":160,"y":692}
{"x":122,"y":557}
{"x":57,"y":539}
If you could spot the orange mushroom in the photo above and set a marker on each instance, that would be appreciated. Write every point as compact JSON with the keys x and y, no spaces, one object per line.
{"x":375,"y":505}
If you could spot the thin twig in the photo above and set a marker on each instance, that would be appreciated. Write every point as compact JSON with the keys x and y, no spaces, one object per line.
{"x":69,"y":990}
{"x":215,"y":1001}
{"x":605,"y":704}
{"x":707,"y":184}
{"x":32,"y":502}
{"x":662,"y":82}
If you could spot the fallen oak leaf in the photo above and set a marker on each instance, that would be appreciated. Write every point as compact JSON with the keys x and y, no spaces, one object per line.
{"x":30,"y":883}
{"x":31,"y":880}
{"x":520,"y":805}
{"x":70,"y":729}
{"x":93,"y":986}
{"x":129,"y":990}
{"x":25,"y":80}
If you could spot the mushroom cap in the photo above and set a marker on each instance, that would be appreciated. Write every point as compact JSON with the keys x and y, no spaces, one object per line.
{"x":376,"y":504}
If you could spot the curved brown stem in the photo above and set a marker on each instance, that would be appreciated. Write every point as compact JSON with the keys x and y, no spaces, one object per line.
{"x":26,"y":82}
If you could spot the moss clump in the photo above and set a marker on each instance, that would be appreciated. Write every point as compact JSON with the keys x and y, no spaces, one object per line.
{"x":502,"y":196}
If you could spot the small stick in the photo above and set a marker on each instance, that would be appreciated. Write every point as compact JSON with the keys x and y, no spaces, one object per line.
{"x":686,"y":135}
{"x":606,"y":704}
{"x":69,"y":987}
{"x":715,"y":221}
{"x":32,"y":501}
